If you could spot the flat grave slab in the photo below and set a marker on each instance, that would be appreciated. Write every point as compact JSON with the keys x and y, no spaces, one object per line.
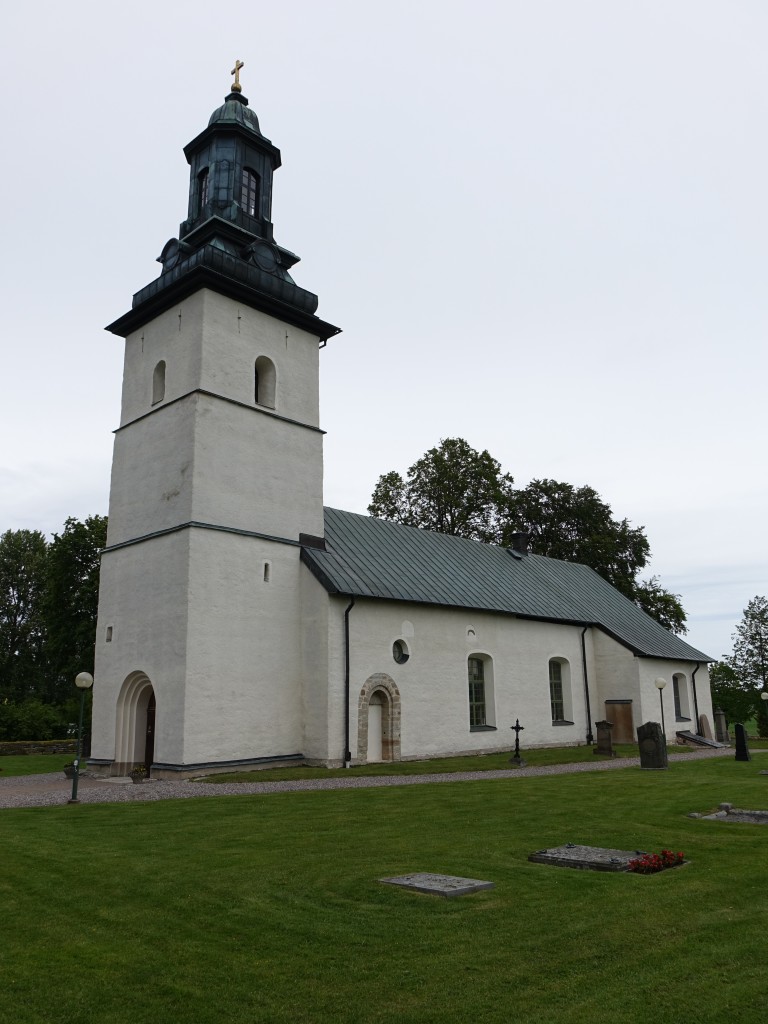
{"x":587,"y":858}
{"x":438,"y":885}
{"x":730,"y":813}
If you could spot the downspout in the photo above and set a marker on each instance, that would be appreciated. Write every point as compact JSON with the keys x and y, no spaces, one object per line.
{"x":590,"y":738}
{"x":347,"y":760}
{"x":695,"y":698}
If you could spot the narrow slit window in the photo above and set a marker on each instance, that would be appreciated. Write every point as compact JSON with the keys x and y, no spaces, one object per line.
{"x":264,"y":382}
{"x":158,"y":383}
{"x":202,"y":190}
{"x":267,"y":572}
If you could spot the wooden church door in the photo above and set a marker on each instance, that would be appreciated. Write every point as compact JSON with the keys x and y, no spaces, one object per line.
{"x":149,"y":743}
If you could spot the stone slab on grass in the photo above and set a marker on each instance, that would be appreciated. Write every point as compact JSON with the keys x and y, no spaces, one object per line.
{"x":587,"y":858}
{"x":728,"y":812}
{"x":438,"y":885}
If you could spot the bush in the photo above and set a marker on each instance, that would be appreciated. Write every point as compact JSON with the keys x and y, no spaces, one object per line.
{"x":32,"y":720}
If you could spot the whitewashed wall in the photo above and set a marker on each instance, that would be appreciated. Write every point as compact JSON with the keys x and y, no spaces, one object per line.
{"x":433,"y":682}
{"x":652,"y":669}
{"x":221,"y":646}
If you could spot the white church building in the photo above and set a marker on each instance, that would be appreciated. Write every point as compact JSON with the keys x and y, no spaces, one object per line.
{"x":241,"y":623}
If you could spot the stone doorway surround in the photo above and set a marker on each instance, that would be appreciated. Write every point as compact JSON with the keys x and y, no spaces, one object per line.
{"x":382,"y":684}
{"x":136,"y":699}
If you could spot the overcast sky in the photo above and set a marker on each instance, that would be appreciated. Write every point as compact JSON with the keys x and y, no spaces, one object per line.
{"x":541,"y":224}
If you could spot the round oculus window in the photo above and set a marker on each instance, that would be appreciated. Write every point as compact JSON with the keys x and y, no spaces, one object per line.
{"x":400,"y":652}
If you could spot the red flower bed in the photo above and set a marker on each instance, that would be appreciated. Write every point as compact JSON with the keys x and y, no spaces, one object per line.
{"x":650,"y":863}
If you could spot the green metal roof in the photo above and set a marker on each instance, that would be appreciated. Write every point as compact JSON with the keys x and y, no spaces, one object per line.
{"x":368,"y":557}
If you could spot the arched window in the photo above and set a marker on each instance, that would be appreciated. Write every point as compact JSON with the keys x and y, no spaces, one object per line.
{"x":680,"y":693}
{"x":482,"y":710}
{"x":264,"y":382}
{"x":560,"y":691}
{"x":202,"y":190}
{"x":249,"y":192}
{"x":158,"y":383}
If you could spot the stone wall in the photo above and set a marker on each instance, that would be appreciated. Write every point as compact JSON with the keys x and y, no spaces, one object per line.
{"x":42,"y":747}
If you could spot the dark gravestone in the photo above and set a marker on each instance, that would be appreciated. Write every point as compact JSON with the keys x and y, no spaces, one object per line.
{"x":604,"y":744}
{"x":653,"y":746}
{"x":721,"y":727}
{"x":742,"y":747}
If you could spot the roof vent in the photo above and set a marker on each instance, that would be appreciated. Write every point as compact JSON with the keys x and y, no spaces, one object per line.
{"x":519,"y":543}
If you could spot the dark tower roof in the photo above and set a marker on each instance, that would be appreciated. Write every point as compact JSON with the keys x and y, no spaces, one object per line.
{"x":235,"y":110}
{"x":227,"y":242}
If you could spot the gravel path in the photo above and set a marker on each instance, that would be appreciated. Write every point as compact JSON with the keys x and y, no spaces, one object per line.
{"x":52,"y":790}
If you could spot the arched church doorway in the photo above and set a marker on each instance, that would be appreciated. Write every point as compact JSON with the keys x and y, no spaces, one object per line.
{"x":378,"y":720}
{"x":135,"y":724}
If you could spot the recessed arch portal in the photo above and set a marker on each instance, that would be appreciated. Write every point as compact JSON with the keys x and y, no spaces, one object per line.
{"x":380,"y":691}
{"x":134,"y":724}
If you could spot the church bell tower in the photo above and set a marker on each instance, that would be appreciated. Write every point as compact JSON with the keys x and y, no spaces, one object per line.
{"x":216,"y":481}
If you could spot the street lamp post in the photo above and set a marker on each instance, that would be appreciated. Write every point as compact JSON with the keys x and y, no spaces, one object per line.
{"x":764,"y":696}
{"x":660,"y":684}
{"x":83,"y":681}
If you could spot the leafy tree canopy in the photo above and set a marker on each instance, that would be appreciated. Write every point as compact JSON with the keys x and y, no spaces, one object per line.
{"x":576,"y":525}
{"x":455,"y":489}
{"x":737,"y":701}
{"x":48,"y":604}
{"x":71,"y":601}
{"x":451,"y":489}
{"x":750,"y":656}
{"x":23,"y":564}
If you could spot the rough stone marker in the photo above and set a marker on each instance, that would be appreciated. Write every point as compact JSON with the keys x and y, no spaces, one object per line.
{"x":439,"y":885}
{"x":587,"y":858}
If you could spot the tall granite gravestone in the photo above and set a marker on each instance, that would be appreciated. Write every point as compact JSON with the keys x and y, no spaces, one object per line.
{"x":721,"y":727}
{"x":604,"y":745}
{"x":653,"y":746}
{"x":705,"y":728}
{"x":742,"y":747}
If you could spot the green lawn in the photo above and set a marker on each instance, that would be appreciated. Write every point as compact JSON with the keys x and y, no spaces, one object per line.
{"x":474,"y":763}
{"x":241,"y":910}
{"x":32,"y":764}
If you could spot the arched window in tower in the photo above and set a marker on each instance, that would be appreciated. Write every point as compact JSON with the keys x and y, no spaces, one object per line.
{"x":264,"y":382}
{"x":249,"y":192}
{"x":158,"y":383}
{"x":202,"y":190}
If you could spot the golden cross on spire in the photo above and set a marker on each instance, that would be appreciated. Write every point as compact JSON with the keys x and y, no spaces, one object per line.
{"x":236,"y":87}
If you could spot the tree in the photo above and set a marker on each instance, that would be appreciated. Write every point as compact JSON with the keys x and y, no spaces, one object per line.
{"x":452,"y":489}
{"x":71,"y":602}
{"x":728,"y":693}
{"x":455,"y":489}
{"x":576,"y":525}
{"x":23,"y":558}
{"x":660,"y":604}
{"x":750,"y":656}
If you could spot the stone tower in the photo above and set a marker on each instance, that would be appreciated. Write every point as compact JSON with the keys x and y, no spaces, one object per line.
{"x":216,"y":482}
